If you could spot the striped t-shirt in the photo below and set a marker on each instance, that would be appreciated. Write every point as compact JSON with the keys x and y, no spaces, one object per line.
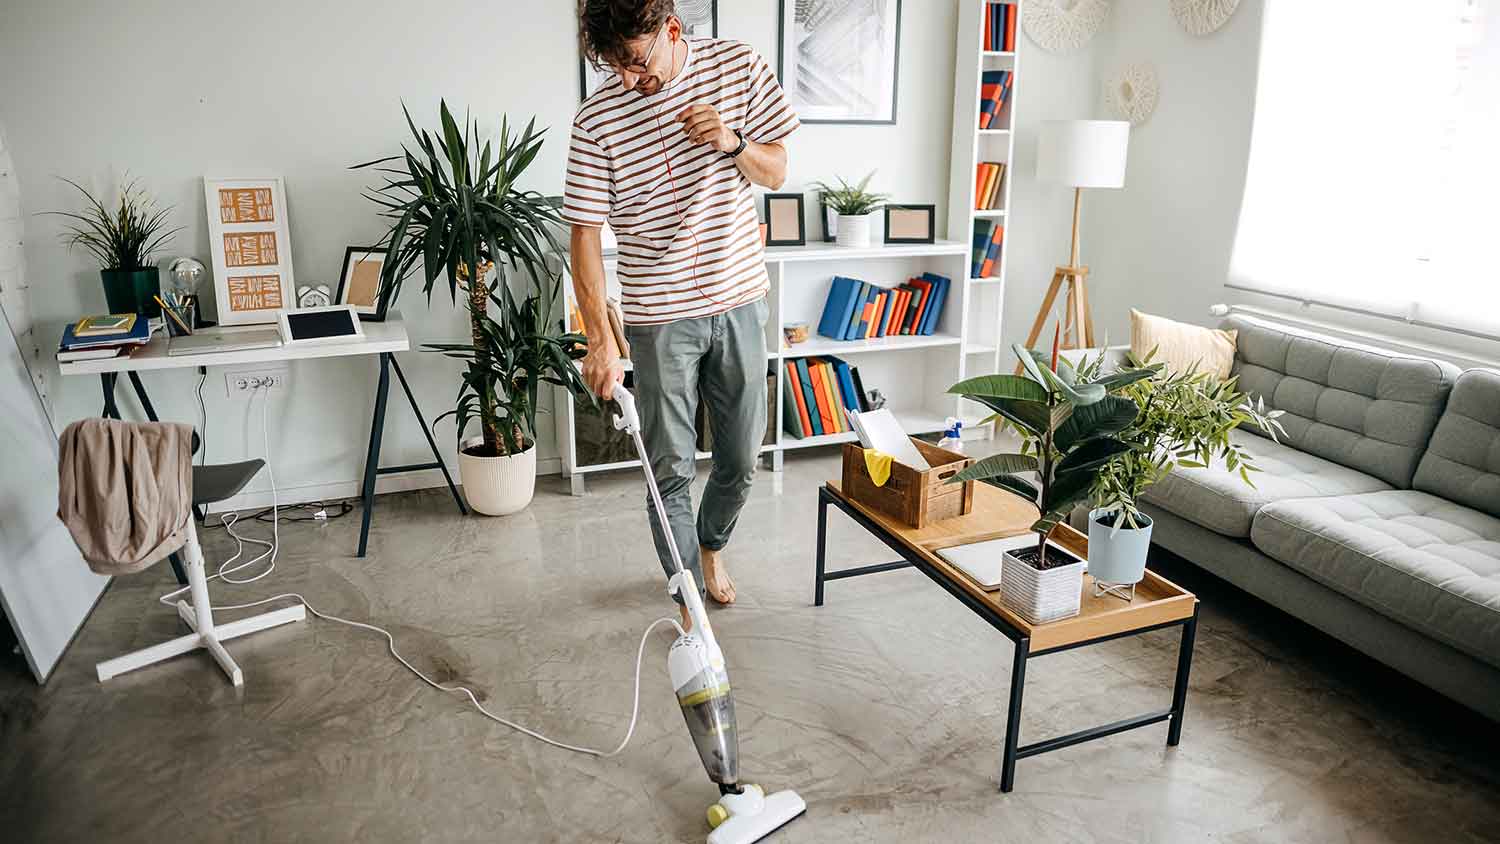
{"x":689,"y":249}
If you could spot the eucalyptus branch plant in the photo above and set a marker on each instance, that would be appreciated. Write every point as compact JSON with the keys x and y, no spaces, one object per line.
{"x":851,"y":200}
{"x":456,"y":208}
{"x":125,"y":238}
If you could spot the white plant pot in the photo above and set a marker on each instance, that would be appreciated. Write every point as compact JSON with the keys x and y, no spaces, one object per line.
{"x":855,"y":230}
{"x":1117,"y":557}
{"x":497,"y":486}
{"x":1041,"y":596}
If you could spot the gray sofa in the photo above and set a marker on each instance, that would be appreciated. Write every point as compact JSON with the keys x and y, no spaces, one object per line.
{"x":1376,"y":518}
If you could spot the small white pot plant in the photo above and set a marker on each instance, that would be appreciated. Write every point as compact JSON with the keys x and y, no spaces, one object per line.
{"x":455,"y":205}
{"x":1182,"y":419}
{"x":1069,"y":428}
{"x":856,"y":207}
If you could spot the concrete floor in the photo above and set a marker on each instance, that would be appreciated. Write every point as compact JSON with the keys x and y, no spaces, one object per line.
{"x":884,"y":708}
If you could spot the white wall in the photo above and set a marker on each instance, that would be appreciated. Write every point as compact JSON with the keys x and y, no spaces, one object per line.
{"x":156,"y":87}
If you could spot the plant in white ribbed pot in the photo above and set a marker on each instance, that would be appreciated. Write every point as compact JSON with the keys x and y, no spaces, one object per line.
{"x":1183,"y":419}
{"x":855,"y":206}
{"x":455,"y":206}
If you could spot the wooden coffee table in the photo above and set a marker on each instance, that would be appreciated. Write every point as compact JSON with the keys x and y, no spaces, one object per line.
{"x":1158,"y":603}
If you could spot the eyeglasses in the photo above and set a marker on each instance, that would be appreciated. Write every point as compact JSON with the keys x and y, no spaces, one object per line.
{"x":641,"y":66}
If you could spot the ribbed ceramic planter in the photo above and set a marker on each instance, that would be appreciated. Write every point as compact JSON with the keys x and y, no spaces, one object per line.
{"x":132,"y":291}
{"x":1117,"y":557}
{"x":1041,"y":596}
{"x":855,"y":230}
{"x":497,"y":486}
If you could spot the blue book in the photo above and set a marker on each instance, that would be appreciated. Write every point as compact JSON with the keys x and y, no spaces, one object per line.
{"x":940,"y":286}
{"x":982,"y":234}
{"x":140,"y":332}
{"x":857,"y":311}
{"x":846,"y":383}
{"x":997,"y":26}
{"x":805,"y":380}
{"x":838,"y":307}
{"x":863,"y":327}
{"x":993,"y":253}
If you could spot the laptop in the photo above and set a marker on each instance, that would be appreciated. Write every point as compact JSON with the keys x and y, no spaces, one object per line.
{"x":223,"y":340}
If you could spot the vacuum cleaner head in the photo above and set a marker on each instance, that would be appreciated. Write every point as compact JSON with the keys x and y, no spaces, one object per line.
{"x":751,"y":815}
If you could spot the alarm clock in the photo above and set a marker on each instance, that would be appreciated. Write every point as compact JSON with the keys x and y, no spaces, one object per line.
{"x":314,"y":296}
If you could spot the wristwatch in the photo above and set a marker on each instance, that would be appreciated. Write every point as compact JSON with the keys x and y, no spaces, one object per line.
{"x":739,"y":149}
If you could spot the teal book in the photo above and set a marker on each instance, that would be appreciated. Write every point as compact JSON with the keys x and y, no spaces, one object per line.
{"x":805,"y":380}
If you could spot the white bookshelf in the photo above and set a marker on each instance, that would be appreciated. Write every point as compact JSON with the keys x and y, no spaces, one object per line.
{"x":913,"y":372}
{"x":972,"y":145}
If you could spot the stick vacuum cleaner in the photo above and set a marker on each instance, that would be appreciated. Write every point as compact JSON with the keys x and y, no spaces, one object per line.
{"x":743,"y":813}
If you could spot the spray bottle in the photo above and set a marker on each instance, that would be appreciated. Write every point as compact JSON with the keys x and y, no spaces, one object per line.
{"x":952,"y":435}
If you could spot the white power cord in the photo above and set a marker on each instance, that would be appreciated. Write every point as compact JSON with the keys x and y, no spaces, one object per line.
{"x":228,"y":568}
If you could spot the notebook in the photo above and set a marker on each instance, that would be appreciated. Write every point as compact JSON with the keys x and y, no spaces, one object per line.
{"x":880,"y":430}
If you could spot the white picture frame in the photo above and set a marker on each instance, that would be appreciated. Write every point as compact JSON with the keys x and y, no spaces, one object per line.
{"x":838,"y":62}
{"x":250,"y":239}
{"x":290,"y":336}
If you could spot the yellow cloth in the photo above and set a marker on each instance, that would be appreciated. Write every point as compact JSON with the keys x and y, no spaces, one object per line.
{"x":878,"y":465}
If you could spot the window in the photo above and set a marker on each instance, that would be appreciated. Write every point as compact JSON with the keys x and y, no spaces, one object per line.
{"x":1374,"y":172}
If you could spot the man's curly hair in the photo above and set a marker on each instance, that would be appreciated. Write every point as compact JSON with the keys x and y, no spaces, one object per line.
{"x":606,"y":26}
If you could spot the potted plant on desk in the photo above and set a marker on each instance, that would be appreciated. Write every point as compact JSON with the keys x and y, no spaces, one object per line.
{"x":456,"y":206}
{"x":1182,"y":419}
{"x":1069,"y":428}
{"x":124,"y":242}
{"x":855,"y":206}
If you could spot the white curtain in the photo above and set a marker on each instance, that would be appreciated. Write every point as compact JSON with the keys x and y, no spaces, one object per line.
{"x":1374,"y":173}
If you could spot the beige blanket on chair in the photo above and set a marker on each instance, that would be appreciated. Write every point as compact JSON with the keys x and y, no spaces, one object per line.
{"x":125,"y":491}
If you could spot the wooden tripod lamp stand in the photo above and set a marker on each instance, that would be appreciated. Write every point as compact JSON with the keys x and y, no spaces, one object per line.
{"x":1081,"y":154}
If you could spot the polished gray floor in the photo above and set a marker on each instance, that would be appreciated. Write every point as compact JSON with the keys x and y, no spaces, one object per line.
{"x":884,"y":708}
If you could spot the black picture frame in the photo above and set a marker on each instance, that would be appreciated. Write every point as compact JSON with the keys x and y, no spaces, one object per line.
{"x":382,"y":302}
{"x":781,"y":23}
{"x":830,"y":232}
{"x":583,"y":65}
{"x":771,"y":238}
{"x":930,"y":237}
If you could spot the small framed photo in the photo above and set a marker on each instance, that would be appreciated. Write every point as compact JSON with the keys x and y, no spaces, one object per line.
{"x":829,"y":219}
{"x":784,"y":223}
{"x":910,"y":223}
{"x":359,"y":282}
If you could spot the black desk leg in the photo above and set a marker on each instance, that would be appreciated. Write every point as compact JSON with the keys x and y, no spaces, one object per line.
{"x":372,"y":457}
{"x":1179,"y":689}
{"x":427,"y":432}
{"x":107,"y":383}
{"x":140,"y":393}
{"x":1013,"y":716}
{"x":822,"y":546}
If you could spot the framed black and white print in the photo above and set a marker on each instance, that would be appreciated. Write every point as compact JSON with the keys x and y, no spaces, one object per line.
{"x":700,"y":19}
{"x":839,"y":58}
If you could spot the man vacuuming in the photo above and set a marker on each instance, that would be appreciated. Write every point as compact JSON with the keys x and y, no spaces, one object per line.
{"x":665,"y":151}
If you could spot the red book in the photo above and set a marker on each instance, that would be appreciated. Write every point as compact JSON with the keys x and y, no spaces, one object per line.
{"x":925,"y":287}
{"x":989,"y":24}
{"x":1010,"y":29}
{"x":988,"y":93}
{"x":820,"y":392}
{"x":791,"y":372}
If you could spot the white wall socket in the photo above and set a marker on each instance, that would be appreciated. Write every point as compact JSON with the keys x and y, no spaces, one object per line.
{"x":242,"y":383}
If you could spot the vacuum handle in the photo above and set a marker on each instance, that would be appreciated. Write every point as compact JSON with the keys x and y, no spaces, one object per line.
{"x":626,"y":420}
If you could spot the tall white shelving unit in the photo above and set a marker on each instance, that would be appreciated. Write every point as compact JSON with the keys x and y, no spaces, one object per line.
{"x":972,"y":145}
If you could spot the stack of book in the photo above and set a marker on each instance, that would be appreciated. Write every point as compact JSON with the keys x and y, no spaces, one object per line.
{"x":999,"y":27}
{"x":857,"y":310}
{"x":989,"y":236}
{"x":994,"y":91}
{"x":816,"y":392}
{"x":988,"y":178}
{"x":103,"y":337}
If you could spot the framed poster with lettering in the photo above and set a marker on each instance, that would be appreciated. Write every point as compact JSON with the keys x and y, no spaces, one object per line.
{"x":251,"y":244}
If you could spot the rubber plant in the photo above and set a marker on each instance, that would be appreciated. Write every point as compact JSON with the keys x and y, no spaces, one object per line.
{"x":457,"y":210}
{"x":1069,"y":428}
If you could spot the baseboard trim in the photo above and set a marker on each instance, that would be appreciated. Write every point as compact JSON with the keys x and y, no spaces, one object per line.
{"x":336,"y":490}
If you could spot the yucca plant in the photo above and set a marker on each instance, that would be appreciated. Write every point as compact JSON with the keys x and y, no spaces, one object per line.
{"x":125,"y":238}
{"x":851,"y":200}
{"x":457,"y":210}
{"x":1069,"y":428}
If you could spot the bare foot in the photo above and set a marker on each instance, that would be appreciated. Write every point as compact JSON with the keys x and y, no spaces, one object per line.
{"x":716,"y":576}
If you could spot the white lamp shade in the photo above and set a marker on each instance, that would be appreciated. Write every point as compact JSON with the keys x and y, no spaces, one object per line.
{"x":1083,"y":153}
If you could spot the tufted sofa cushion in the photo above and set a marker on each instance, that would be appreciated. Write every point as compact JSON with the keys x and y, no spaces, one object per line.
{"x":1429,"y":563}
{"x":1462,"y":462}
{"x":1368,"y":410}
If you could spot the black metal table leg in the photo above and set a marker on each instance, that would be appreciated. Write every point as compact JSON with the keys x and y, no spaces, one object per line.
{"x":107,"y":383}
{"x":1013,"y":715}
{"x":1180,"y":687}
{"x":427,"y":432}
{"x":372,"y":457}
{"x":822,"y":546}
{"x":140,"y":393}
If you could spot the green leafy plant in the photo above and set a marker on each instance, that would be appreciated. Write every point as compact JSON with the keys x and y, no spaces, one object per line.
{"x":1069,"y":427}
{"x":851,"y":200}
{"x":1182,"y":419}
{"x":127,"y":238}
{"x":456,"y":207}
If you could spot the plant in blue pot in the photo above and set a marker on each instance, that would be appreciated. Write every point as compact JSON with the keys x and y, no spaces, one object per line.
{"x":125,"y":240}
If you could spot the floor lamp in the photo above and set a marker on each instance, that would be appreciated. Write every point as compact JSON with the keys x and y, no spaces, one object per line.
{"x":1080,"y":154}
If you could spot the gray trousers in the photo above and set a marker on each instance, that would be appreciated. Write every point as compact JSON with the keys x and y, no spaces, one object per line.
{"x":723,"y":359}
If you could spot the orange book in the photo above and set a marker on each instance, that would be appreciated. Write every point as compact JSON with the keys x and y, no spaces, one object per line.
{"x":791,"y":372}
{"x":926,"y":288}
{"x":889,"y":320}
{"x":989,"y":262}
{"x":989,"y":91}
{"x":835,"y":395}
{"x":986,"y":185}
{"x":989,"y":27}
{"x":820,"y":392}
{"x":903,"y":298}
{"x":1010,"y":28}
{"x":992,"y":201}
{"x":875,"y":315}
{"x":979,"y":176}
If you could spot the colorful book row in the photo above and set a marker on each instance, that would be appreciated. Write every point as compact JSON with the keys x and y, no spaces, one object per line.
{"x":988,"y":178}
{"x":857,"y":310}
{"x":999,"y":27}
{"x":814,"y":394}
{"x":989,"y":236}
{"x":994,"y":91}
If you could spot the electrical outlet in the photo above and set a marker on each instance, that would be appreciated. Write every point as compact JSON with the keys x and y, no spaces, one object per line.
{"x":243,"y":383}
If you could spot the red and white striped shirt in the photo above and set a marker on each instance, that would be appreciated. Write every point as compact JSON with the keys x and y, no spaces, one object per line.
{"x":683,"y":212}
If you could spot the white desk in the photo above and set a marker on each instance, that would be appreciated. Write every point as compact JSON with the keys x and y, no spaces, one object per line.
{"x":381,"y":338}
